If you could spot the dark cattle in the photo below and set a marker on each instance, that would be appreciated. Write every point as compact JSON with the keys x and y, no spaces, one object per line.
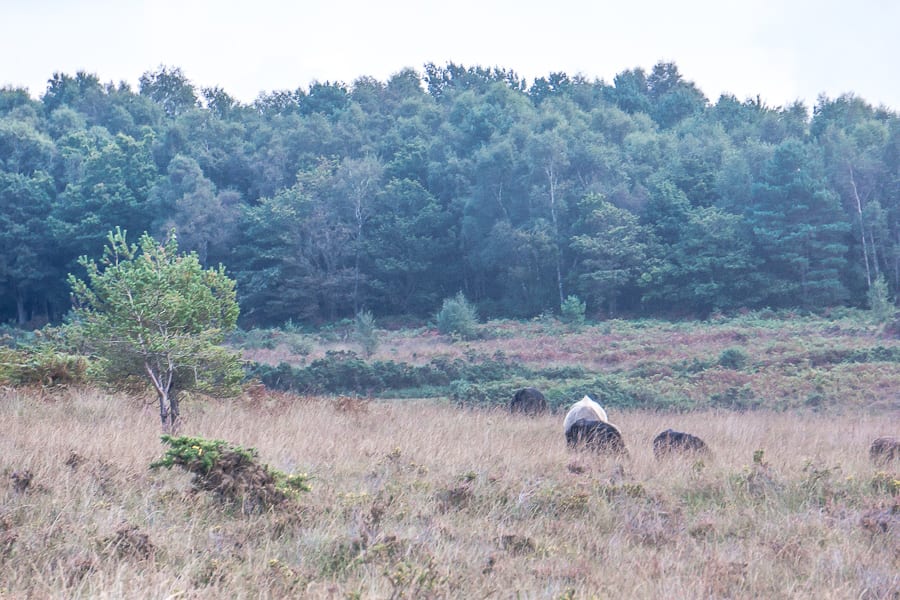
{"x":528,"y":400}
{"x":597,"y":436}
{"x":677,"y":442}
{"x":884,"y":450}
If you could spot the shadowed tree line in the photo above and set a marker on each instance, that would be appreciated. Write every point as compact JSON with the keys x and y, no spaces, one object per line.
{"x":638,"y":196}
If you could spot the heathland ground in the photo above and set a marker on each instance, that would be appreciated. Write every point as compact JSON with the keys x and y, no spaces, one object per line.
{"x":419,"y":498}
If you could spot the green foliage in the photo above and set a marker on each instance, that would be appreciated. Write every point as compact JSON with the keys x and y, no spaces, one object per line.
{"x":607,"y":390}
{"x":365,"y":333}
{"x":42,"y":365}
{"x":345,"y":373}
{"x":798,"y":229}
{"x":158,"y":315}
{"x":269,"y":339}
{"x":733,"y":358}
{"x":735,"y":398}
{"x":572,"y":311}
{"x":612,"y":250}
{"x":708,"y":264}
{"x":478,"y":184}
{"x":256,"y":338}
{"x":196,"y":454}
{"x":560,"y":395}
{"x":880,"y":305}
{"x":13,"y":337}
{"x":231,"y":473}
{"x":457,"y":317}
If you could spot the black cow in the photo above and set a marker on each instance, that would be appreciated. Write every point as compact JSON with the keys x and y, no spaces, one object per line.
{"x":676,"y":442}
{"x":884,"y":449}
{"x":529,"y":401}
{"x":597,"y":436}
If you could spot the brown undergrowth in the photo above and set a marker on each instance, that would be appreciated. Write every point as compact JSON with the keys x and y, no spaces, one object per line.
{"x":420,"y":499}
{"x":841,"y":362}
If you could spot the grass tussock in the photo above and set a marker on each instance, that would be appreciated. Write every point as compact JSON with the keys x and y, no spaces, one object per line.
{"x":421,"y":499}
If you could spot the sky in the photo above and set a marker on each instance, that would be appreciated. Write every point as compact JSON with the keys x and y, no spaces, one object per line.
{"x":780,"y":50}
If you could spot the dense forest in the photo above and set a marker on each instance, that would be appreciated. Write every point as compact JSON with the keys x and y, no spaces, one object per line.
{"x":639,"y":196}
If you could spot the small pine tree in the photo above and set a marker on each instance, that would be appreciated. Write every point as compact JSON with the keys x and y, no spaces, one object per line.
{"x":572,"y":311}
{"x":158,"y":316}
{"x":880,"y":304}
{"x":365,"y":333}
{"x":458,"y":317}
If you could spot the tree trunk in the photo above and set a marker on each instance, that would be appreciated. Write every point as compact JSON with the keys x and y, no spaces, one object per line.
{"x":551,"y":179}
{"x":874,"y":254}
{"x":21,"y":313}
{"x":862,"y":227}
{"x":174,"y":412}
{"x":359,"y":233}
{"x":168,"y":410}
{"x":166,"y":394}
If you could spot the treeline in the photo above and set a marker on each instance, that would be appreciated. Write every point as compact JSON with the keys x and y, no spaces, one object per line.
{"x":639,"y":196}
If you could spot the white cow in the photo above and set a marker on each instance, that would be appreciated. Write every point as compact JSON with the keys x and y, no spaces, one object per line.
{"x":584,"y":409}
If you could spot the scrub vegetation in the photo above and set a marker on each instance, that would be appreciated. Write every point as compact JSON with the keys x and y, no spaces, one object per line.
{"x":411,"y":498}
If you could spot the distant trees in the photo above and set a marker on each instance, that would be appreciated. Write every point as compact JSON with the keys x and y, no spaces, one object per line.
{"x":26,"y":251}
{"x":638,"y":195}
{"x":613,"y":252}
{"x":798,"y":230}
{"x":170,"y":89}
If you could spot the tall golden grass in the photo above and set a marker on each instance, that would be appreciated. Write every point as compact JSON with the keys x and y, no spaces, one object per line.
{"x":419,"y":499}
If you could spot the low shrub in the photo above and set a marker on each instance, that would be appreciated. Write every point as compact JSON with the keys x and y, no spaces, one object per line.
{"x":733,"y":358}
{"x":270,"y":339}
{"x":457,"y":317}
{"x":42,"y":366}
{"x":572,"y":311}
{"x":365,"y":333}
{"x":736,"y":398}
{"x":852,"y":356}
{"x":343,"y":372}
{"x":605,"y":390}
{"x":232,"y":473}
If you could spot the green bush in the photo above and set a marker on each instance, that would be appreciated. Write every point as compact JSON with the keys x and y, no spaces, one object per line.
{"x":43,"y":366}
{"x":572,"y":311}
{"x":256,"y":338}
{"x":13,"y":337}
{"x":880,"y":305}
{"x":232,"y":473}
{"x":346,"y":373}
{"x":736,"y":398}
{"x":733,"y":358}
{"x":458,"y":317}
{"x":298,"y":344}
{"x":605,"y":390}
{"x":365,"y":334}
{"x":487,"y":393}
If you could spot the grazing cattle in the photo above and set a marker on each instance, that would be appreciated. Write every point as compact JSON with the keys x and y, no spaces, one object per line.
{"x":529,"y":401}
{"x":676,"y":442}
{"x":884,"y":450}
{"x":584,"y":409}
{"x":595,"y":435}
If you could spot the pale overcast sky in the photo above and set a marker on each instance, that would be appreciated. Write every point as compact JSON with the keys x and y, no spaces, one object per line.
{"x":781,"y":50}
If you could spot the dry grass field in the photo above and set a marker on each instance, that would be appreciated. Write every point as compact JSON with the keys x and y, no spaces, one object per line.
{"x":419,"y":499}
